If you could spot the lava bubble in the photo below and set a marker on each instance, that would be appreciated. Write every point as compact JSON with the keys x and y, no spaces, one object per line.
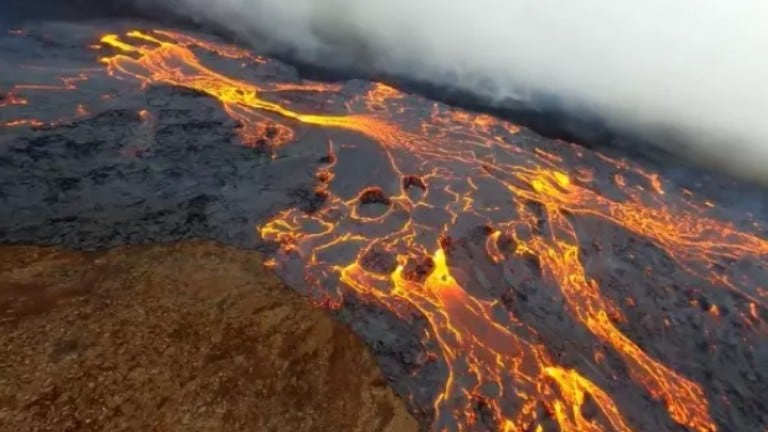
{"x":324,"y":176}
{"x":412,"y":181}
{"x":417,"y":270}
{"x":271,"y":132}
{"x":379,"y":261}
{"x":373,"y":195}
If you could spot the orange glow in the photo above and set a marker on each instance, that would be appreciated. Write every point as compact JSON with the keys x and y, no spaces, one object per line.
{"x":175,"y":64}
{"x":67,"y":83}
{"x":11,"y":99}
{"x":24,"y":122}
{"x":81,"y":110}
{"x":443,"y":158}
{"x":312,"y":87}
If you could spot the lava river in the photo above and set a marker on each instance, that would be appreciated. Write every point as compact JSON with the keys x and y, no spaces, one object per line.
{"x":397,"y":245}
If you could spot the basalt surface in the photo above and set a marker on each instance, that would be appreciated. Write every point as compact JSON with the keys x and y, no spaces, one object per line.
{"x":502,"y":280}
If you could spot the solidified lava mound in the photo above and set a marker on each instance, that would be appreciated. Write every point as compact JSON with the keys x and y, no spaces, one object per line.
{"x":186,"y":337}
{"x":510,"y":283}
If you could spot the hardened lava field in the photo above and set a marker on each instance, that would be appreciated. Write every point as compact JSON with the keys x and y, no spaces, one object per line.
{"x":502,"y":280}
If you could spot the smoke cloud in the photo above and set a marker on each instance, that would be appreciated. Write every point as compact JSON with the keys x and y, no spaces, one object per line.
{"x":696,"y":68}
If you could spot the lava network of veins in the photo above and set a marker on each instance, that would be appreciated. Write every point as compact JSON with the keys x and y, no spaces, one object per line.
{"x":451,"y":154}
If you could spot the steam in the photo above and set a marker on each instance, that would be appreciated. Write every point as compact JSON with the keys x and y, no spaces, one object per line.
{"x":697,"y":68}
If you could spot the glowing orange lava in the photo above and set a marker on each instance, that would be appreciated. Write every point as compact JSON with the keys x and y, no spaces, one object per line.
{"x":11,"y":99}
{"x":23,"y":122}
{"x":174,"y":63}
{"x":448,"y":154}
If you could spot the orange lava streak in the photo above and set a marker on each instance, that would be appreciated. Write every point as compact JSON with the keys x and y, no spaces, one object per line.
{"x":466,"y":331}
{"x":226,"y":51}
{"x":312,"y":87}
{"x":67,"y":83}
{"x":685,"y":399}
{"x":24,"y":122}
{"x":173,"y":64}
{"x":686,"y":236}
{"x":575,"y":389}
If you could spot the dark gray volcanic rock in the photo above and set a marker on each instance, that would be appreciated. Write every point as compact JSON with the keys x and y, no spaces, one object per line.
{"x":162,"y":164}
{"x":114,"y":179}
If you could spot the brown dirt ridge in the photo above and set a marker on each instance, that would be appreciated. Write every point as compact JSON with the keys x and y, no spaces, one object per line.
{"x":187,"y":337}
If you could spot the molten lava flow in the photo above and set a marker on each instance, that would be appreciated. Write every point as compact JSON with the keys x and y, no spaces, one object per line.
{"x":445,"y":160}
{"x":175,"y":64}
{"x":477,"y":346}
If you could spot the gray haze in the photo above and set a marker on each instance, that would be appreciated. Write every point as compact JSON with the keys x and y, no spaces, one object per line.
{"x":695,"y":66}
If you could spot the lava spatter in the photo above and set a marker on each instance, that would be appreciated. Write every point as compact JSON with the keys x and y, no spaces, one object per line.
{"x":455,"y":170}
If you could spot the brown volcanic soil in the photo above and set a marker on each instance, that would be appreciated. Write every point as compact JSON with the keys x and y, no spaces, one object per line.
{"x":186,"y":337}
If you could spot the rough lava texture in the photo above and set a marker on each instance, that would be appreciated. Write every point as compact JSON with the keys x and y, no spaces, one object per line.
{"x":188,"y":337}
{"x":112,"y":179}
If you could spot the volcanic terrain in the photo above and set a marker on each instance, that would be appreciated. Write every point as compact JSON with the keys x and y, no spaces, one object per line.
{"x":503,"y":281}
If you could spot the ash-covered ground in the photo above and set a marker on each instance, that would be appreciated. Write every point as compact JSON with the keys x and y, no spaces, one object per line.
{"x":672,"y":268}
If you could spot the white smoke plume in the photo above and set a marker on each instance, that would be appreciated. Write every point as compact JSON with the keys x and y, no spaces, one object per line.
{"x":698,"y":67}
